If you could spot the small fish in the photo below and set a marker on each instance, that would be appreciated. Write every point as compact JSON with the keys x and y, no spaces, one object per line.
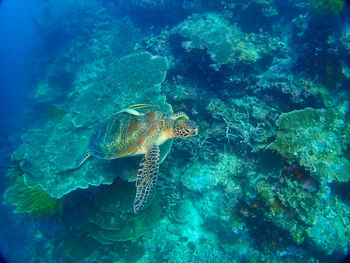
{"x":131,"y":111}
{"x":215,"y":67}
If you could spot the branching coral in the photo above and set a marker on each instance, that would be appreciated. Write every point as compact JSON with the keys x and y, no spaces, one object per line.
{"x":245,"y":119}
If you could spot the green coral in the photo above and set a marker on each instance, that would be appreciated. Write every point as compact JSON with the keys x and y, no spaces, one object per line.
{"x":28,"y":197}
{"x":316,"y":140}
{"x":327,"y":7}
{"x":141,"y":70}
{"x":304,"y":203}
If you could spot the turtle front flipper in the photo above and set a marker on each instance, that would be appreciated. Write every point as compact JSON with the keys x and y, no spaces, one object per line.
{"x":147,"y":176}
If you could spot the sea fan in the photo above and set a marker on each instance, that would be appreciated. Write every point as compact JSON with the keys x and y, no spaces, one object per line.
{"x":28,"y":197}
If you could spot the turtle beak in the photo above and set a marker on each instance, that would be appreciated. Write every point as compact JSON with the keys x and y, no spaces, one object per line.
{"x":195,"y":129}
{"x":191,"y":129}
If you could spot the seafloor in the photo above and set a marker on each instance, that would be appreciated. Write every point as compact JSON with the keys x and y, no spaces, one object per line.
{"x":265,"y":180}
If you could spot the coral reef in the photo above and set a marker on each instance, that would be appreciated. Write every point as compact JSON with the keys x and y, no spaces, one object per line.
{"x":295,"y":202}
{"x":265,"y":180}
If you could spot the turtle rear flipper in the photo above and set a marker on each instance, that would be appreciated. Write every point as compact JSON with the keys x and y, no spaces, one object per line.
{"x":82,"y":160}
{"x":78,"y":162}
{"x":147,"y":176}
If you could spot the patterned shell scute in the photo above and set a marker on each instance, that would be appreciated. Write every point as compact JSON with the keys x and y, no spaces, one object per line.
{"x":123,"y":134}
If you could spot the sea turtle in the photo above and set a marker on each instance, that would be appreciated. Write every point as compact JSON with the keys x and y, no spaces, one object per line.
{"x":130,"y":133}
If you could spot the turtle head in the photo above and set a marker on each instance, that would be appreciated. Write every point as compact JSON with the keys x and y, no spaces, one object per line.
{"x":183,"y":128}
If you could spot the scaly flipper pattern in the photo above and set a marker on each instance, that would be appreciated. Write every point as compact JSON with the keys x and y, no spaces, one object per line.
{"x":147,"y":176}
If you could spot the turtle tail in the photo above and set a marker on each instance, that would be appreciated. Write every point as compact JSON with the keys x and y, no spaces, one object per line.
{"x":78,"y":162}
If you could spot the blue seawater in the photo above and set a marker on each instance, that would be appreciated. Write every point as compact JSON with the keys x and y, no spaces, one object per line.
{"x":148,"y":131}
